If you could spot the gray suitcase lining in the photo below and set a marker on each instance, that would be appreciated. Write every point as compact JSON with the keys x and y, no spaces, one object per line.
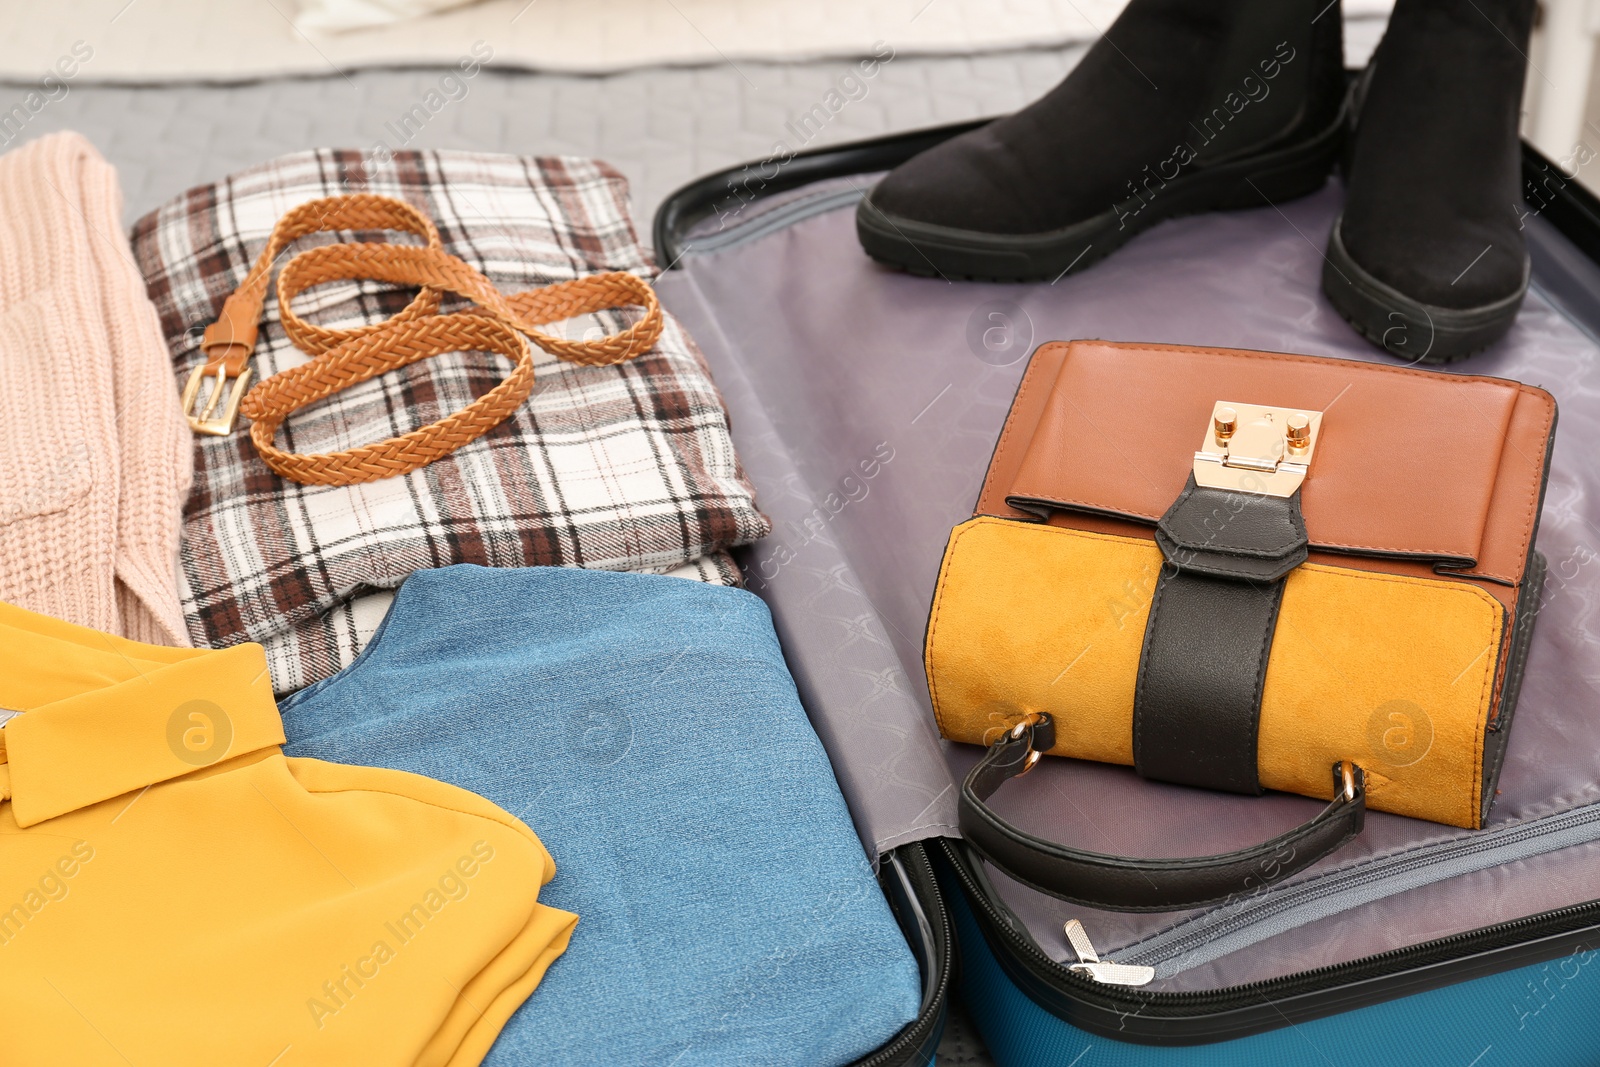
{"x":840,"y":359}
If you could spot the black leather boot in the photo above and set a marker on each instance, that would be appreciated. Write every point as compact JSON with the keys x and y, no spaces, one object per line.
{"x":1183,"y":106}
{"x":1428,"y":260}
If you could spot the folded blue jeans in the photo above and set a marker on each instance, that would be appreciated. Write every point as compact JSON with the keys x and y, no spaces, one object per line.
{"x":649,"y":732}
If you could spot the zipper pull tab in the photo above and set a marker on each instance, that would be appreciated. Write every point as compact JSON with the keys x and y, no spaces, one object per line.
{"x":1090,"y":963}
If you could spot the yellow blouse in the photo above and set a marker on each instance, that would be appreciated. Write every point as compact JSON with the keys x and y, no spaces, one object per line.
{"x":175,"y":891}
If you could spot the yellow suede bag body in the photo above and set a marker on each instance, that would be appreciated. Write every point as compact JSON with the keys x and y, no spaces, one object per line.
{"x":175,"y":891}
{"x":1243,"y":571}
{"x":1384,"y":671}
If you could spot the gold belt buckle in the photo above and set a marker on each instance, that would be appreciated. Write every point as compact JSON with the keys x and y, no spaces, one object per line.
{"x":204,"y":416}
{"x":1254,"y":449}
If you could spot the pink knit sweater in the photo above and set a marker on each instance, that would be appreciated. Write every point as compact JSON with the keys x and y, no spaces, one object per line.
{"x":95,"y":458}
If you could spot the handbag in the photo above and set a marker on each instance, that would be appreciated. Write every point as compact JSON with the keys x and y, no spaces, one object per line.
{"x":1242,"y":571}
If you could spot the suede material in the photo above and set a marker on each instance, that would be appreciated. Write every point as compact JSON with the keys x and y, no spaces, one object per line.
{"x":1111,"y":129}
{"x":1368,"y":667}
{"x":1395,"y":673}
{"x":1435,"y":170}
{"x":1040,"y":618}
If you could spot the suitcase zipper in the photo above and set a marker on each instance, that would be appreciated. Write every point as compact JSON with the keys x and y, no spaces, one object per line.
{"x":1225,"y":930}
{"x":1090,"y":963}
{"x":904,"y":1048}
{"x":1174,"y":1009}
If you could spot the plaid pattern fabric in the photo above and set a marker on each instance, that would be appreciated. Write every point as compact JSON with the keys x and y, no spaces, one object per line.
{"x":628,"y":467}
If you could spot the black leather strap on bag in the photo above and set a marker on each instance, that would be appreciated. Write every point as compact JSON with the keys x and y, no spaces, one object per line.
{"x":1121,"y":883}
{"x":1197,"y":702}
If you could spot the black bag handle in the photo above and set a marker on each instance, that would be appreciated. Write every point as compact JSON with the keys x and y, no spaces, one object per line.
{"x":1123,"y":883}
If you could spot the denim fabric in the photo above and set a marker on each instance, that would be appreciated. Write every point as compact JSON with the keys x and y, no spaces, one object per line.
{"x":648,"y":731}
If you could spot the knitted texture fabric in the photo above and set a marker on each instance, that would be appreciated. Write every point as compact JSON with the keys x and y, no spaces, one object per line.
{"x":95,"y":458}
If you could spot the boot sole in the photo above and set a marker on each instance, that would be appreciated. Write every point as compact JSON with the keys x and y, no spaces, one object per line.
{"x":944,"y":251}
{"x":1406,"y":327}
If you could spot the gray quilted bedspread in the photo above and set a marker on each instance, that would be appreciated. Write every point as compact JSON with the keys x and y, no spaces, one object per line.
{"x":660,"y":127}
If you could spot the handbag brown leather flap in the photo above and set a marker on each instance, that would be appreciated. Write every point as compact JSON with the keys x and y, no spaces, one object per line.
{"x":1412,"y":464}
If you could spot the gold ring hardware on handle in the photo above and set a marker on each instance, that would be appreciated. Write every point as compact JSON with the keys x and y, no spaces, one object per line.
{"x":1249,"y":448}
{"x":1034,"y":755}
{"x":1348,"y":775}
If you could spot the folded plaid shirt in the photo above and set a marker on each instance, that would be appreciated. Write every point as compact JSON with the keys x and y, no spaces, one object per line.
{"x":627,"y":467}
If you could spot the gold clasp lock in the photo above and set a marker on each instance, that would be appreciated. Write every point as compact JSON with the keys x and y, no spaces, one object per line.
{"x":1253,"y":449}
{"x":204,"y":416}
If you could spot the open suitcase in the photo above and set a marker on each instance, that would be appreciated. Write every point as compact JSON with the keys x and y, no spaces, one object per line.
{"x":866,"y":404}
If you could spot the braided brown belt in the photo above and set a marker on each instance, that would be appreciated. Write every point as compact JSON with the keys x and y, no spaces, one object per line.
{"x":343,"y":358}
